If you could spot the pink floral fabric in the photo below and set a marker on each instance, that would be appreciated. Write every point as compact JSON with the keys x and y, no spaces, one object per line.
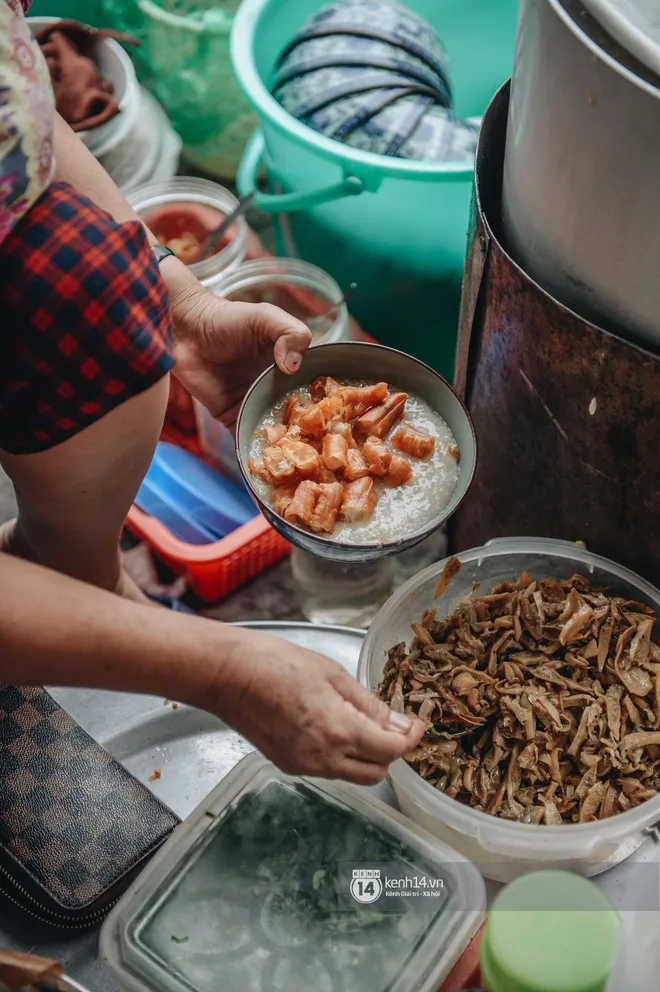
{"x":26,"y":117}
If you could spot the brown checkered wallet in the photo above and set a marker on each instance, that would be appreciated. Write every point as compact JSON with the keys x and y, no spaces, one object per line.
{"x":75,"y":826}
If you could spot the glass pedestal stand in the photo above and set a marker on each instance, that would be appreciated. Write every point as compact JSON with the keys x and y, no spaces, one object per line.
{"x":351,"y":594}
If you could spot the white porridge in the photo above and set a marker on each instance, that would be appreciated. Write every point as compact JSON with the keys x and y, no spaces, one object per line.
{"x":399,"y":511}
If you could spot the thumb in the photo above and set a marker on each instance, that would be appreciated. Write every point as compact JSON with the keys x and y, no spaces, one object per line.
{"x":374,"y":708}
{"x":288,"y":335}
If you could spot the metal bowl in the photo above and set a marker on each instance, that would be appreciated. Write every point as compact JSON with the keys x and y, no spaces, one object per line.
{"x":355,"y":360}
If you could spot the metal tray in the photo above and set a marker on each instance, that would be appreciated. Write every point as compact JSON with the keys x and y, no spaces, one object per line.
{"x":191,"y":750}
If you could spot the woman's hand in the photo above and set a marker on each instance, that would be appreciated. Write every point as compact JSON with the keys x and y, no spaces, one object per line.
{"x":307,"y":714}
{"x":221,"y":347}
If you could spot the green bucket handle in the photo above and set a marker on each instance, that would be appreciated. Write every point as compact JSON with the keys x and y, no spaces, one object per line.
{"x":221,"y":23}
{"x":246,"y":182}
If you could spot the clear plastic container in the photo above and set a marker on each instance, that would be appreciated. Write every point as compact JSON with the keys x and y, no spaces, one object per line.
{"x":297,"y":287}
{"x":346,"y":593}
{"x":220,"y":908}
{"x":212,"y":204}
{"x":505,"y":849}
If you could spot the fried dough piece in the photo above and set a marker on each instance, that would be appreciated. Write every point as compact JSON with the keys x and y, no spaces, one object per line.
{"x":301,"y":508}
{"x":257,"y":467}
{"x":346,"y":431}
{"x":413,"y":442}
{"x":376,"y":455}
{"x":399,"y":472}
{"x":282,"y":497}
{"x":278,"y":465}
{"x":379,"y":420}
{"x":356,"y":466}
{"x":358,"y":399}
{"x":359,"y":500}
{"x":327,"y":507}
{"x":305,"y":459}
{"x":322,"y":387}
{"x":275,"y":432}
{"x":295,"y":407}
{"x":335,"y":452}
{"x":316,"y":420}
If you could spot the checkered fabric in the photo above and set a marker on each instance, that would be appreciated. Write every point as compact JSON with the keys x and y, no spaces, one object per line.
{"x":84,"y":320}
{"x":73,"y":818}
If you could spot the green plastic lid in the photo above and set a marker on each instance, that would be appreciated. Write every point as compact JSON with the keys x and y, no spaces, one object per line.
{"x":550,"y":931}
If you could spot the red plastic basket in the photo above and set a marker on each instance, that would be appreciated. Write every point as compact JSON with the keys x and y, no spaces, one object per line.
{"x":213,"y":570}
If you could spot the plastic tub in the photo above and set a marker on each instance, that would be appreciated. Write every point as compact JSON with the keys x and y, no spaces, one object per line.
{"x":212,"y":203}
{"x":149,"y":153}
{"x":505,"y":849}
{"x":395,"y":227}
{"x":214,"y":908}
{"x":115,"y":66}
{"x":213,"y":570}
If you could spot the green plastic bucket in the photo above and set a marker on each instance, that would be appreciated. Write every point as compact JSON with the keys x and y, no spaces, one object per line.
{"x":395,"y":227}
{"x":184,"y":61}
{"x":86,"y":11}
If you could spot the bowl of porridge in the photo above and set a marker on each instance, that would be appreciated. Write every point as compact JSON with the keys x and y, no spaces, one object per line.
{"x":363,"y":453}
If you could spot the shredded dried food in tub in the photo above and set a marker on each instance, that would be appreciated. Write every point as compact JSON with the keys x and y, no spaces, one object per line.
{"x":541,"y":701}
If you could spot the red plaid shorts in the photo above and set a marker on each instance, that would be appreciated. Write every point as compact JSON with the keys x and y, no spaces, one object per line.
{"x":84,"y":320}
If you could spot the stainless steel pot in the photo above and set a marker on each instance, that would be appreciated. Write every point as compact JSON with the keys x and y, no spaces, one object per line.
{"x":581,"y":195}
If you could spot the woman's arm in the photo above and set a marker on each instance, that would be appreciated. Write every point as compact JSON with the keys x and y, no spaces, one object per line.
{"x":56,"y":630}
{"x":302,"y":710}
{"x":75,"y":164}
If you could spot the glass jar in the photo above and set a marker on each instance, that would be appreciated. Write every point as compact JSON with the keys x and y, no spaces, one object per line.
{"x":302,"y":289}
{"x":206,"y":204}
{"x":346,"y":593}
{"x":297,"y":287}
{"x":414,"y":560}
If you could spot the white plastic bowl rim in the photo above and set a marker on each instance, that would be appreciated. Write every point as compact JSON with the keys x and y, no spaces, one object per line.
{"x":508,"y":838}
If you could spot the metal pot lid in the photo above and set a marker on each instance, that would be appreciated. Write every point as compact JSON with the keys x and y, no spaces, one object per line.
{"x":634,"y":24}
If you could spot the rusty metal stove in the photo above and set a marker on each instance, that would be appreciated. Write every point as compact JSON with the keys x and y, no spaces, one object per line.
{"x":566,"y":413}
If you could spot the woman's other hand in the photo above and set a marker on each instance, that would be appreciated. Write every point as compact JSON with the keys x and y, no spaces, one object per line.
{"x":221,"y":347}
